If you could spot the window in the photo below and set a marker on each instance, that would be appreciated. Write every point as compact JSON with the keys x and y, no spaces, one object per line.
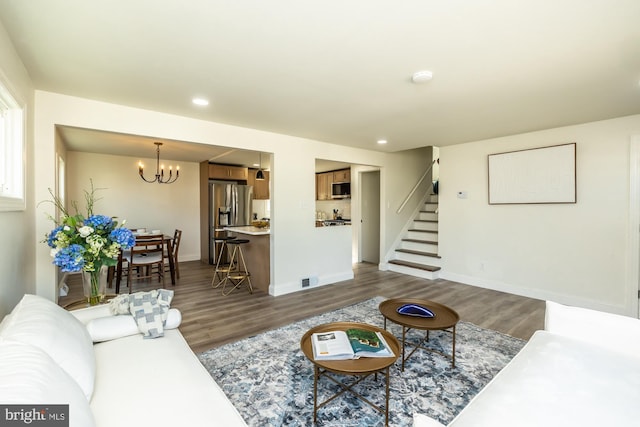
{"x":12,"y":164}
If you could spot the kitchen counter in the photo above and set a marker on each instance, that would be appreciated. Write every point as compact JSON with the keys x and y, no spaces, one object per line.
{"x":257,"y":254}
{"x":250,"y":230}
{"x":332,"y":222}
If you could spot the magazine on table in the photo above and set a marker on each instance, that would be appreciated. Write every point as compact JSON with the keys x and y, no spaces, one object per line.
{"x":349,"y":344}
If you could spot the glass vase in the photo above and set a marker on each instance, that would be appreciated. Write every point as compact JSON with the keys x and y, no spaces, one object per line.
{"x":94,"y":285}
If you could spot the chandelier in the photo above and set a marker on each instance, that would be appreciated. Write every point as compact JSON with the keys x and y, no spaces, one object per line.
{"x":159,"y":178}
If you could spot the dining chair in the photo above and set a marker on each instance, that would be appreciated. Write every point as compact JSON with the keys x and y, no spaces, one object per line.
{"x":175,"y":246}
{"x":147,"y":253}
{"x":121,"y":268}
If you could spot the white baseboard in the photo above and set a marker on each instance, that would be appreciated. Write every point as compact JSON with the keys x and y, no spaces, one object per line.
{"x":188,"y":257}
{"x":290,"y":287}
{"x":540,"y":294}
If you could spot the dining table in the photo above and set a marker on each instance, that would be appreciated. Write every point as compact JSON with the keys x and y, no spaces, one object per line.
{"x":168,"y":242}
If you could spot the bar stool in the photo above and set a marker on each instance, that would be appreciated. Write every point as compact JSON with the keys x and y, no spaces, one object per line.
{"x":237,"y":273}
{"x":222,"y":268}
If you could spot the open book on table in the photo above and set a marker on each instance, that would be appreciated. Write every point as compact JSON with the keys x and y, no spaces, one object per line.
{"x":349,"y":344}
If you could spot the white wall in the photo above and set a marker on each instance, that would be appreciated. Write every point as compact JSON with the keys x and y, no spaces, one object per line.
{"x":18,"y":235}
{"x":296,"y":248}
{"x":571,"y":253}
{"x":152,"y":206}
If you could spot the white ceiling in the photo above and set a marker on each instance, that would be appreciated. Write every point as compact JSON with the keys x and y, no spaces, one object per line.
{"x":142,"y":147}
{"x":97,"y":141}
{"x":340,"y":71}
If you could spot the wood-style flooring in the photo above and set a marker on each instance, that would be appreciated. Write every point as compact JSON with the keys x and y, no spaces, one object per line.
{"x":210,"y":319}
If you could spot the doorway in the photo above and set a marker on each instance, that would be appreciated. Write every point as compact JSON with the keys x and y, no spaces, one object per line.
{"x":634,"y":224}
{"x":370,"y":216}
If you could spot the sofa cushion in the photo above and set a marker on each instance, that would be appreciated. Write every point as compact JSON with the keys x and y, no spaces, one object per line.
{"x":29,"y":376}
{"x":612,"y":331}
{"x":559,"y":381}
{"x":157,"y":382}
{"x":43,"y":324}
{"x":114,"y":327}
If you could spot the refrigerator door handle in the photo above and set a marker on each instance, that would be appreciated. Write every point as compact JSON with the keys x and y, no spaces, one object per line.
{"x":233,"y":210}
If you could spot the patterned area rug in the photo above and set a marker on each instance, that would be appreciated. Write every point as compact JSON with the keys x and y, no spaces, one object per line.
{"x":270,"y":381}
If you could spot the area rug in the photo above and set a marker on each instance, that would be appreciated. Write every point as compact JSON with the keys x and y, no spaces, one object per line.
{"x":270,"y":381}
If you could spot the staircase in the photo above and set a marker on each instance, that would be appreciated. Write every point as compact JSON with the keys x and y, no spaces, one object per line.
{"x":417,"y":254}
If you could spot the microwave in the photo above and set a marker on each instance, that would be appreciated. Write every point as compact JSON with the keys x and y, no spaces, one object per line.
{"x":341,"y":190}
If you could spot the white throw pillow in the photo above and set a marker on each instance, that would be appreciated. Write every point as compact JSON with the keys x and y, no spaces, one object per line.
{"x":114,"y":327}
{"x":29,"y":376}
{"x":43,"y":324}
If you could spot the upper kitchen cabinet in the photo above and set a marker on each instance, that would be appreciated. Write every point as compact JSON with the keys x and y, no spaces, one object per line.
{"x":343,"y":175}
{"x":260,"y":187}
{"x":227,"y":172}
{"x":325,"y":181}
{"x":323,"y":185}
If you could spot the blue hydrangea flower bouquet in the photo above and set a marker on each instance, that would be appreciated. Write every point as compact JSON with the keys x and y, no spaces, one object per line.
{"x":87,"y":243}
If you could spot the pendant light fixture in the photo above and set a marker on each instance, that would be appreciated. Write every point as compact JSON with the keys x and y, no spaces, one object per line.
{"x":260,"y":174}
{"x":159,"y":178}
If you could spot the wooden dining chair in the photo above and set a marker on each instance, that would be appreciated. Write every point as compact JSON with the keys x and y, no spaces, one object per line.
{"x":122,"y":267}
{"x":147,"y":253}
{"x":175,"y":246}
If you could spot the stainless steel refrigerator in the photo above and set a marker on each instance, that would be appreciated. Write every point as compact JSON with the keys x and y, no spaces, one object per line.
{"x":229,"y":205}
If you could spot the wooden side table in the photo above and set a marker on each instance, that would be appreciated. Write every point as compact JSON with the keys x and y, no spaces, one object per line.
{"x":361,"y":368}
{"x":445,"y":319}
{"x":82,"y":303}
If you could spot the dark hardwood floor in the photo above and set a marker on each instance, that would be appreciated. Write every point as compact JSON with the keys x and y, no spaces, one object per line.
{"x":210,"y":319}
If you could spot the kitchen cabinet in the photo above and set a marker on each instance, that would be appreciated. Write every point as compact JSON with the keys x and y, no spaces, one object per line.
{"x":324,"y":181}
{"x":323,"y":185}
{"x":227,"y":172}
{"x":343,"y":175}
{"x":260,"y":187}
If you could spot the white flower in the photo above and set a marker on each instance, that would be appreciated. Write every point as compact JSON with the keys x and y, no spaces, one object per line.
{"x":66,"y":228}
{"x":85,"y":231}
{"x":54,"y":251}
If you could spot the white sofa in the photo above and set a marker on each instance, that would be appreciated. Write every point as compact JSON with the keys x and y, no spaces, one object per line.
{"x":47,"y":356}
{"x":582,"y":370}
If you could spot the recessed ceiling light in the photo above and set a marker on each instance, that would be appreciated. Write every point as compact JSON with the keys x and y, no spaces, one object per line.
{"x":422,"y":76}
{"x":200,"y":101}
{"x":382,"y":141}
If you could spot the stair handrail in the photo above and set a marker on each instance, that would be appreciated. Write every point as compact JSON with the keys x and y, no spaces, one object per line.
{"x":415,"y":187}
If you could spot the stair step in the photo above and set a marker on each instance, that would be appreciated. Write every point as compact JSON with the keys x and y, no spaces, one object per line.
{"x":419,"y":230}
{"x":426,"y":220}
{"x":411,"y":251}
{"x":423,"y":211}
{"x":429,"y":242}
{"x":414,"y":265}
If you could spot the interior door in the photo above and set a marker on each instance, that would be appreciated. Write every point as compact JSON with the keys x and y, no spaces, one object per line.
{"x":370,"y":208}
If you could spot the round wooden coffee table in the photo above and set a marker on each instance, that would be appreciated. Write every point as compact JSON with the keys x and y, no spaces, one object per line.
{"x":362,"y":367}
{"x":445,"y":318}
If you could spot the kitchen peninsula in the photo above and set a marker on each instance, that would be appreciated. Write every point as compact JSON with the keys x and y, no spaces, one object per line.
{"x":256,"y":254}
